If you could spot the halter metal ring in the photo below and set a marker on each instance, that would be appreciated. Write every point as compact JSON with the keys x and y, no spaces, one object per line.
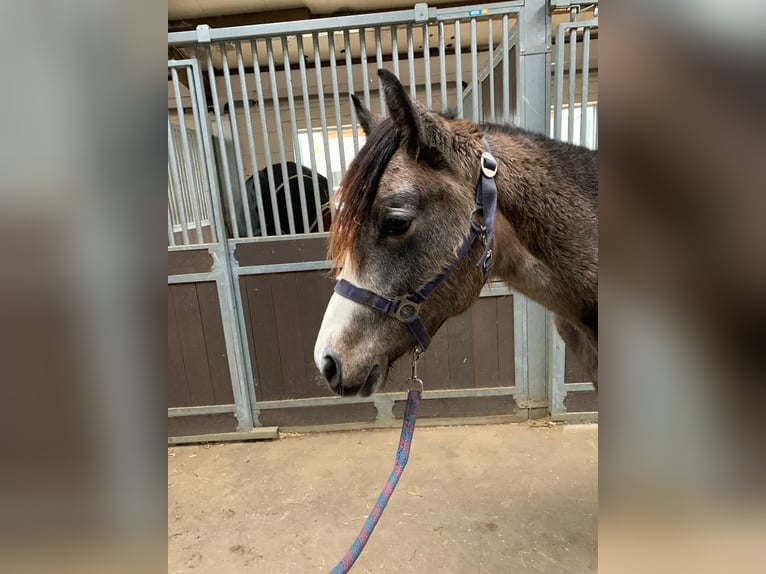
{"x":488,"y":170}
{"x":405,"y":309}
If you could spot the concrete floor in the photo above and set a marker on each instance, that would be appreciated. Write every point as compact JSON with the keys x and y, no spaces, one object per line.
{"x":473,"y":499}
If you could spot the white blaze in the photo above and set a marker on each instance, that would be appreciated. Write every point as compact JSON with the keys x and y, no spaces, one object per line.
{"x":337,"y":317}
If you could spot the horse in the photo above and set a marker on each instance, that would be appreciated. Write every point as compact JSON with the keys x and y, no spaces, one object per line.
{"x":427,"y":197}
{"x":280,"y":193}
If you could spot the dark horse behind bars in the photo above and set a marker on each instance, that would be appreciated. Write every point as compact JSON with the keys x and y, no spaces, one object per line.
{"x":406,"y":206}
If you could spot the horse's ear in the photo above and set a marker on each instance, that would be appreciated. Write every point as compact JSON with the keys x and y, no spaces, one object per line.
{"x":426,"y":136}
{"x":366,"y":118}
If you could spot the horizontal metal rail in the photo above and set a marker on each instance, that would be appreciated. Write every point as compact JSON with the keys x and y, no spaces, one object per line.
{"x":395,"y":396}
{"x":202,"y":410}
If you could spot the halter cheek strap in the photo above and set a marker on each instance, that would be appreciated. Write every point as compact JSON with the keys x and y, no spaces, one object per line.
{"x":406,"y":308}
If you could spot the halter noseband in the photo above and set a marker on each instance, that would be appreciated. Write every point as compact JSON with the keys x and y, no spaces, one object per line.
{"x":406,"y":308}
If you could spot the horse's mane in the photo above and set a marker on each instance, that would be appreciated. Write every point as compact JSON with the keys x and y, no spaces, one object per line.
{"x":359,"y":187}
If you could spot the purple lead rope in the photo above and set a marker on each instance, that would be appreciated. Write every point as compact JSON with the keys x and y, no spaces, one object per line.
{"x":402,"y":454}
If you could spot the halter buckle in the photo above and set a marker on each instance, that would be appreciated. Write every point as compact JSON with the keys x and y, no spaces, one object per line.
{"x":488,"y":164}
{"x":405,"y":309}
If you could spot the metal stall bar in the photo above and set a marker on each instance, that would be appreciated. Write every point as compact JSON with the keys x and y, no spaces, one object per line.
{"x":442,"y":67}
{"x":395,"y":49}
{"x":310,"y":133}
{"x":176,"y":181}
{"x":572,"y":83}
{"x":336,"y":101}
{"x":191,"y":184}
{"x":491,"y":43}
{"x":506,"y":73}
{"x":296,"y":146}
{"x":365,"y":73}
{"x":171,"y":233}
{"x":221,"y":141}
{"x":280,"y":140}
{"x":411,"y":62}
{"x":350,"y":79}
{"x":251,"y":146}
{"x":323,"y":119}
{"x":202,"y":170}
{"x":427,"y":66}
{"x":266,"y":145}
{"x":474,"y":74}
{"x":585,"y":73}
{"x":379,"y":61}
{"x":237,"y":148}
{"x":458,"y":69}
{"x":558,"y":102}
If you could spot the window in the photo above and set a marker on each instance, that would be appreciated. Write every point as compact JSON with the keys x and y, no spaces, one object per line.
{"x":591,"y":125}
{"x":333,"y":144}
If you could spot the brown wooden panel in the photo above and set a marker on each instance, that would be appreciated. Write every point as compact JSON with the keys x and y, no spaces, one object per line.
{"x":581,"y":401}
{"x":461,"y":359}
{"x":178,"y":393}
{"x":201,"y":424}
{"x":285,"y":299}
{"x":331,"y":414}
{"x":461,"y":407}
{"x":185,"y":262}
{"x":435,"y":370}
{"x":296,"y":250}
{"x":485,"y":348}
{"x":212,"y":326}
{"x":505,"y":342}
{"x":193,"y":346}
{"x":314,"y":289}
{"x":573,"y":369}
{"x":267,"y":368}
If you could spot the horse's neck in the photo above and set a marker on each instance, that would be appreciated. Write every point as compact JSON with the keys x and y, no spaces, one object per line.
{"x":536,"y":227}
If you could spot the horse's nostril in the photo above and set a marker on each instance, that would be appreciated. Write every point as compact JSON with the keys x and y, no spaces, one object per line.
{"x":331,"y":370}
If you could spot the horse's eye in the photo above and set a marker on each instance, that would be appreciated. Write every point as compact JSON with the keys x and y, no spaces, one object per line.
{"x":395,"y":225}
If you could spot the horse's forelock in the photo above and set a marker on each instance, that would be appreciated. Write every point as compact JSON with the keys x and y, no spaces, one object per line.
{"x":358,"y":189}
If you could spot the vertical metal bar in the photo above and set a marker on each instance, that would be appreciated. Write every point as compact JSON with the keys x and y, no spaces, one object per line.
{"x":201,"y":164}
{"x":310,"y":133}
{"x":221,"y":141}
{"x":506,"y":73}
{"x":558,"y":97}
{"x":395,"y":49}
{"x":228,"y":294}
{"x":350,"y":77}
{"x":458,"y":69}
{"x":237,"y":148}
{"x":280,"y":140}
{"x":427,"y":66}
{"x":296,"y":145}
{"x":175,"y":179}
{"x":572,"y":84}
{"x":474,"y":73}
{"x":251,"y":144}
{"x":323,"y":119}
{"x":266,"y":145}
{"x":491,"y":71}
{"x":379,"y":60}
{"x":411,"y":62}
{"x":556,"y":365}
{"x":365,"y":72}
{"x":585,"y":73}
{"x":442,"y":67}
{"x":191,"y":182}
{"x":171,"y":232}
{"x":336,"y":101}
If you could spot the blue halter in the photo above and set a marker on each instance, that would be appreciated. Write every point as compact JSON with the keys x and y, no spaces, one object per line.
{"x":406,"y":308}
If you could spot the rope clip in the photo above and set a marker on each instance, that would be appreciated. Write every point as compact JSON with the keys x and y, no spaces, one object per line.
{"x":414,"y":381}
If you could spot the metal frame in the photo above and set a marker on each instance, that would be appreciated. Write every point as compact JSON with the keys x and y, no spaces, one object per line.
{"x":557,"y":387}
{"x":536,"y":352}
